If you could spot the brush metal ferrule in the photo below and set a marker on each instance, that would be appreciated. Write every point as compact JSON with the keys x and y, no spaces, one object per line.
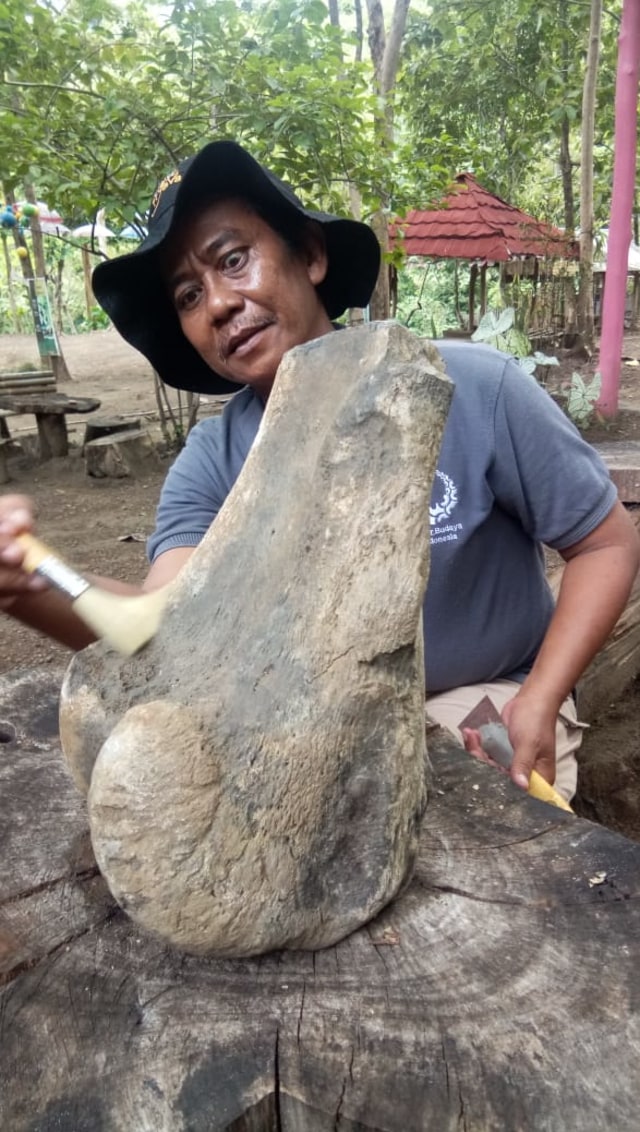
{"x":62,"y":577}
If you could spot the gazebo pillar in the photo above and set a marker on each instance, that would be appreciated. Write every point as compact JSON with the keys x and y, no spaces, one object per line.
{"x":472,"y":295}
{"x":483,"y":289}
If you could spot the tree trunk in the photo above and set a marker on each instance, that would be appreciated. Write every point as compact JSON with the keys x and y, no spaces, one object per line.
{"x":359,"y":37}
{"x":566,"y":167}
{"x":585,"y":296}
{"x":376,"y":37}
{"x":566,"y":164}
{"x":624,"y":171}
{"x":10,"y":291}
{"x":385,"y":56}
{"x":39,"y":269}
{"x":391,"y":55}
{"x":380,"y":302}
{"x":89,"y":299}
{"x":496,"y":992}
{"x":120,"y":454}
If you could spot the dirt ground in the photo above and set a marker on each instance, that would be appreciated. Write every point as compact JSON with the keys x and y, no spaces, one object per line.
{"x":101,"y":525}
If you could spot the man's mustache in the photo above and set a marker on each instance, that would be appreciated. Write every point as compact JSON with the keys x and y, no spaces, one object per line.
{"x":232,"y":337}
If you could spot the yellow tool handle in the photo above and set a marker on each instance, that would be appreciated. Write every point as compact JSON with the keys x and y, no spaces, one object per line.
{"x":35,"y":552}
{"x":495,"y":741}
{"x":540,"y":788}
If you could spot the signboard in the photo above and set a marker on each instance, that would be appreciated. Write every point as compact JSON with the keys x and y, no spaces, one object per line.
{"x":42,"y":318}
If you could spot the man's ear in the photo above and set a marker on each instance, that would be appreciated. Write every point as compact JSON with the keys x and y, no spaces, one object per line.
{"x":316,"y":254}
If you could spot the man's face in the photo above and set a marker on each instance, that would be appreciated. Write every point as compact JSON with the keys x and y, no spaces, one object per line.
{"x":242,"y":295}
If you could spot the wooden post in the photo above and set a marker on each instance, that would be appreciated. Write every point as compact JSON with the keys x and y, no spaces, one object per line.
{"x":53,"y":437}
{"x":483,"y":289}
{"x":56,"y":360}
{"x":472,"y":295}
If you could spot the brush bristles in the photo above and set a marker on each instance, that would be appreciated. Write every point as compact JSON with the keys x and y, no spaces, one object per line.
{"x":125,"y":622}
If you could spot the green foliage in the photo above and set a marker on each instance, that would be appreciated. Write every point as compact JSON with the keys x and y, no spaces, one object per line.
{"x":489,"y":87}
{"x":499,"y":329}
{"x":582,"y":399}
{"x":426,"y":296}
{"x":105,"y":99}
{"x":100,"y":99}
{"x":96,"y":319}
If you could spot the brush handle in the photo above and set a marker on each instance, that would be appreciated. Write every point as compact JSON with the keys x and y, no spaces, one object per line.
{"x":39,"y":559}
{"x":495,"y":741}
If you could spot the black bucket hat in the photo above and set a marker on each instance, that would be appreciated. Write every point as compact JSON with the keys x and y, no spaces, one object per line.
{"x":131,"y":290}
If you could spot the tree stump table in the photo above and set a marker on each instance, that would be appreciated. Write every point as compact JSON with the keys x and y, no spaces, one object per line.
{"x":98,"y":427}
{"x":499,"y":991}
{"x":50,"y":411}
{"x":128,"y":452}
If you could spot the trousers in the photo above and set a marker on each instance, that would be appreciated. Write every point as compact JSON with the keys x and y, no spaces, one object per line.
{"x":450,"y":708}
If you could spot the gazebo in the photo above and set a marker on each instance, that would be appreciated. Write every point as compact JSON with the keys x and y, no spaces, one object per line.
{"x":473,"y":224}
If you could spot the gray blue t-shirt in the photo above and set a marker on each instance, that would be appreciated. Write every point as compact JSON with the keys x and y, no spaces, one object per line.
{"x":513,"y":473}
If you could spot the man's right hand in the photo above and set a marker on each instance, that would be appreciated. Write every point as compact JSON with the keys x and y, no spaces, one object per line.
{"x":16,"y":516}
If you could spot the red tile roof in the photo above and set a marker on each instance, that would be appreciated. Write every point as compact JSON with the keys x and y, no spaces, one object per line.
{"x":472,"y":223}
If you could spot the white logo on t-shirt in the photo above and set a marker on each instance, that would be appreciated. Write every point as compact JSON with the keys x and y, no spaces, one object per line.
{"x":441,"y":509}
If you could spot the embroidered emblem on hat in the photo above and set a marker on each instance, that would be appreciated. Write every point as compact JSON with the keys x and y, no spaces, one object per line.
{"x":172,"y":178}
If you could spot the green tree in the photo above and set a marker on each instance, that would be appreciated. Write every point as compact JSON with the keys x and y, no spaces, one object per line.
{"x":497,"y":89}
{"x":111,"y":98}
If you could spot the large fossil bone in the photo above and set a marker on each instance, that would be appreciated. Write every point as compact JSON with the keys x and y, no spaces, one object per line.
{"x":259,"y":767}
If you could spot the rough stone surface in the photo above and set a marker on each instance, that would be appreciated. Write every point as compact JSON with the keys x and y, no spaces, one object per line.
{"x":259,"y":766}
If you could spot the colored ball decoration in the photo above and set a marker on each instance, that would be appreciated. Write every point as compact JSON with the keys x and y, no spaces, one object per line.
{"x":8,"y":217}
{"x":22,"y":253}
{"x":29,"y":209}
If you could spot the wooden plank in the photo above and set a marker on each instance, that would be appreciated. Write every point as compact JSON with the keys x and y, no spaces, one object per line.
{"x":499,"y":991}
{"x":37,"y":386}
{"x":27,"y":379}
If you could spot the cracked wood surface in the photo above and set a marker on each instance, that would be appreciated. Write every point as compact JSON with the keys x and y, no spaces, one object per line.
{"x":499,"y":990}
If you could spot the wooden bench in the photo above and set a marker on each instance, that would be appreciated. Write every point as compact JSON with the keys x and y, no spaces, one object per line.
{"x":28,"y":381}
{"x":23,"y":381}
{"x":50,"y":411}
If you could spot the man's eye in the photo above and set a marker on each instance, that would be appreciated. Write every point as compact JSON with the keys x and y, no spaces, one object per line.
{"x":234,"y":259}
{"x":185,"y":300}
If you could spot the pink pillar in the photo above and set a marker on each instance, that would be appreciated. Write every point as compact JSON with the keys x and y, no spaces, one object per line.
{"x":624,"y":172}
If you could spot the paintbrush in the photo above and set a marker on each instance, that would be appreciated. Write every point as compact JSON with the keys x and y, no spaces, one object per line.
{"x":126,"y":622}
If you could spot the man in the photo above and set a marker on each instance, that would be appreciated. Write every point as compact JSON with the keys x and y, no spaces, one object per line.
{"x":235,"y":272}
